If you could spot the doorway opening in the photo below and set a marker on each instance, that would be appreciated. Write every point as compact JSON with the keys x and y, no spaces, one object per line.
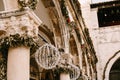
{"x":115,"y":71}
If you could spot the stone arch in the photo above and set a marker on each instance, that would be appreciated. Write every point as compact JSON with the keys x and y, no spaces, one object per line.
{"x":50,"y":19}
{"x":109,"y":64}
{"x":73,"y":45}
{"x":48,"y":34}
{"x":74,"y":50}
{"x":114,"y":73}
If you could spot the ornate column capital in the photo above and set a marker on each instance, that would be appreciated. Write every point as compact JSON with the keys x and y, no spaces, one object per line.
{"x":18,"y":28}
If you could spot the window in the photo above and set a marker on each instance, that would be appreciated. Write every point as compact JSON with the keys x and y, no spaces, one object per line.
{"x":1,"y":5}
{"x":109,"y":16}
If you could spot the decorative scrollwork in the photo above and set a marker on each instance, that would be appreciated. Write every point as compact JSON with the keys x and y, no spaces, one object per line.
{"x":30,"y":3}
{"x":18,"y":40}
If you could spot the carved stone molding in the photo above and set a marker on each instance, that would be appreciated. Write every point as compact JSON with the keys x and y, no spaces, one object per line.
{"x":22,"y":24}
{"x":18,"y":28}
{"x":12,"y":13}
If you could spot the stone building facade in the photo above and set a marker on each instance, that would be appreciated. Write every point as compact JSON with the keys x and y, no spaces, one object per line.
{"x":49,"y":40}
{"x":102,"y":19}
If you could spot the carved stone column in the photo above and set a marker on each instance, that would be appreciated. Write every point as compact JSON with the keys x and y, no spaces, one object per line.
{"x":18,"y":63}
{"x":18,"y":36}
{"x":64,"y":76}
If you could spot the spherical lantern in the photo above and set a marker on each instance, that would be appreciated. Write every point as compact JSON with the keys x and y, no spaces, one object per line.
{"x":75,"y":72}
{"x":47,"y":56}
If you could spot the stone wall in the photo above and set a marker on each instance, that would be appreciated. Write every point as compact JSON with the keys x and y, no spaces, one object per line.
{"x":106,"y":40}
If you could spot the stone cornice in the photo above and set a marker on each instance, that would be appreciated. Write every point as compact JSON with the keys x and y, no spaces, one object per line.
{"x":19,"y":21}
{"x":7,"y":14}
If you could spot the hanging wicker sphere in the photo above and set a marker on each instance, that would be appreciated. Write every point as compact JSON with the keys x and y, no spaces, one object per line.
{"x":75,"y":72}
{"x":47,"y":56}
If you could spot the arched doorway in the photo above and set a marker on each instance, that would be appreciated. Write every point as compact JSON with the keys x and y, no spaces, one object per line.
{"x":115,"y":71}
{"x":109,"y":67}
